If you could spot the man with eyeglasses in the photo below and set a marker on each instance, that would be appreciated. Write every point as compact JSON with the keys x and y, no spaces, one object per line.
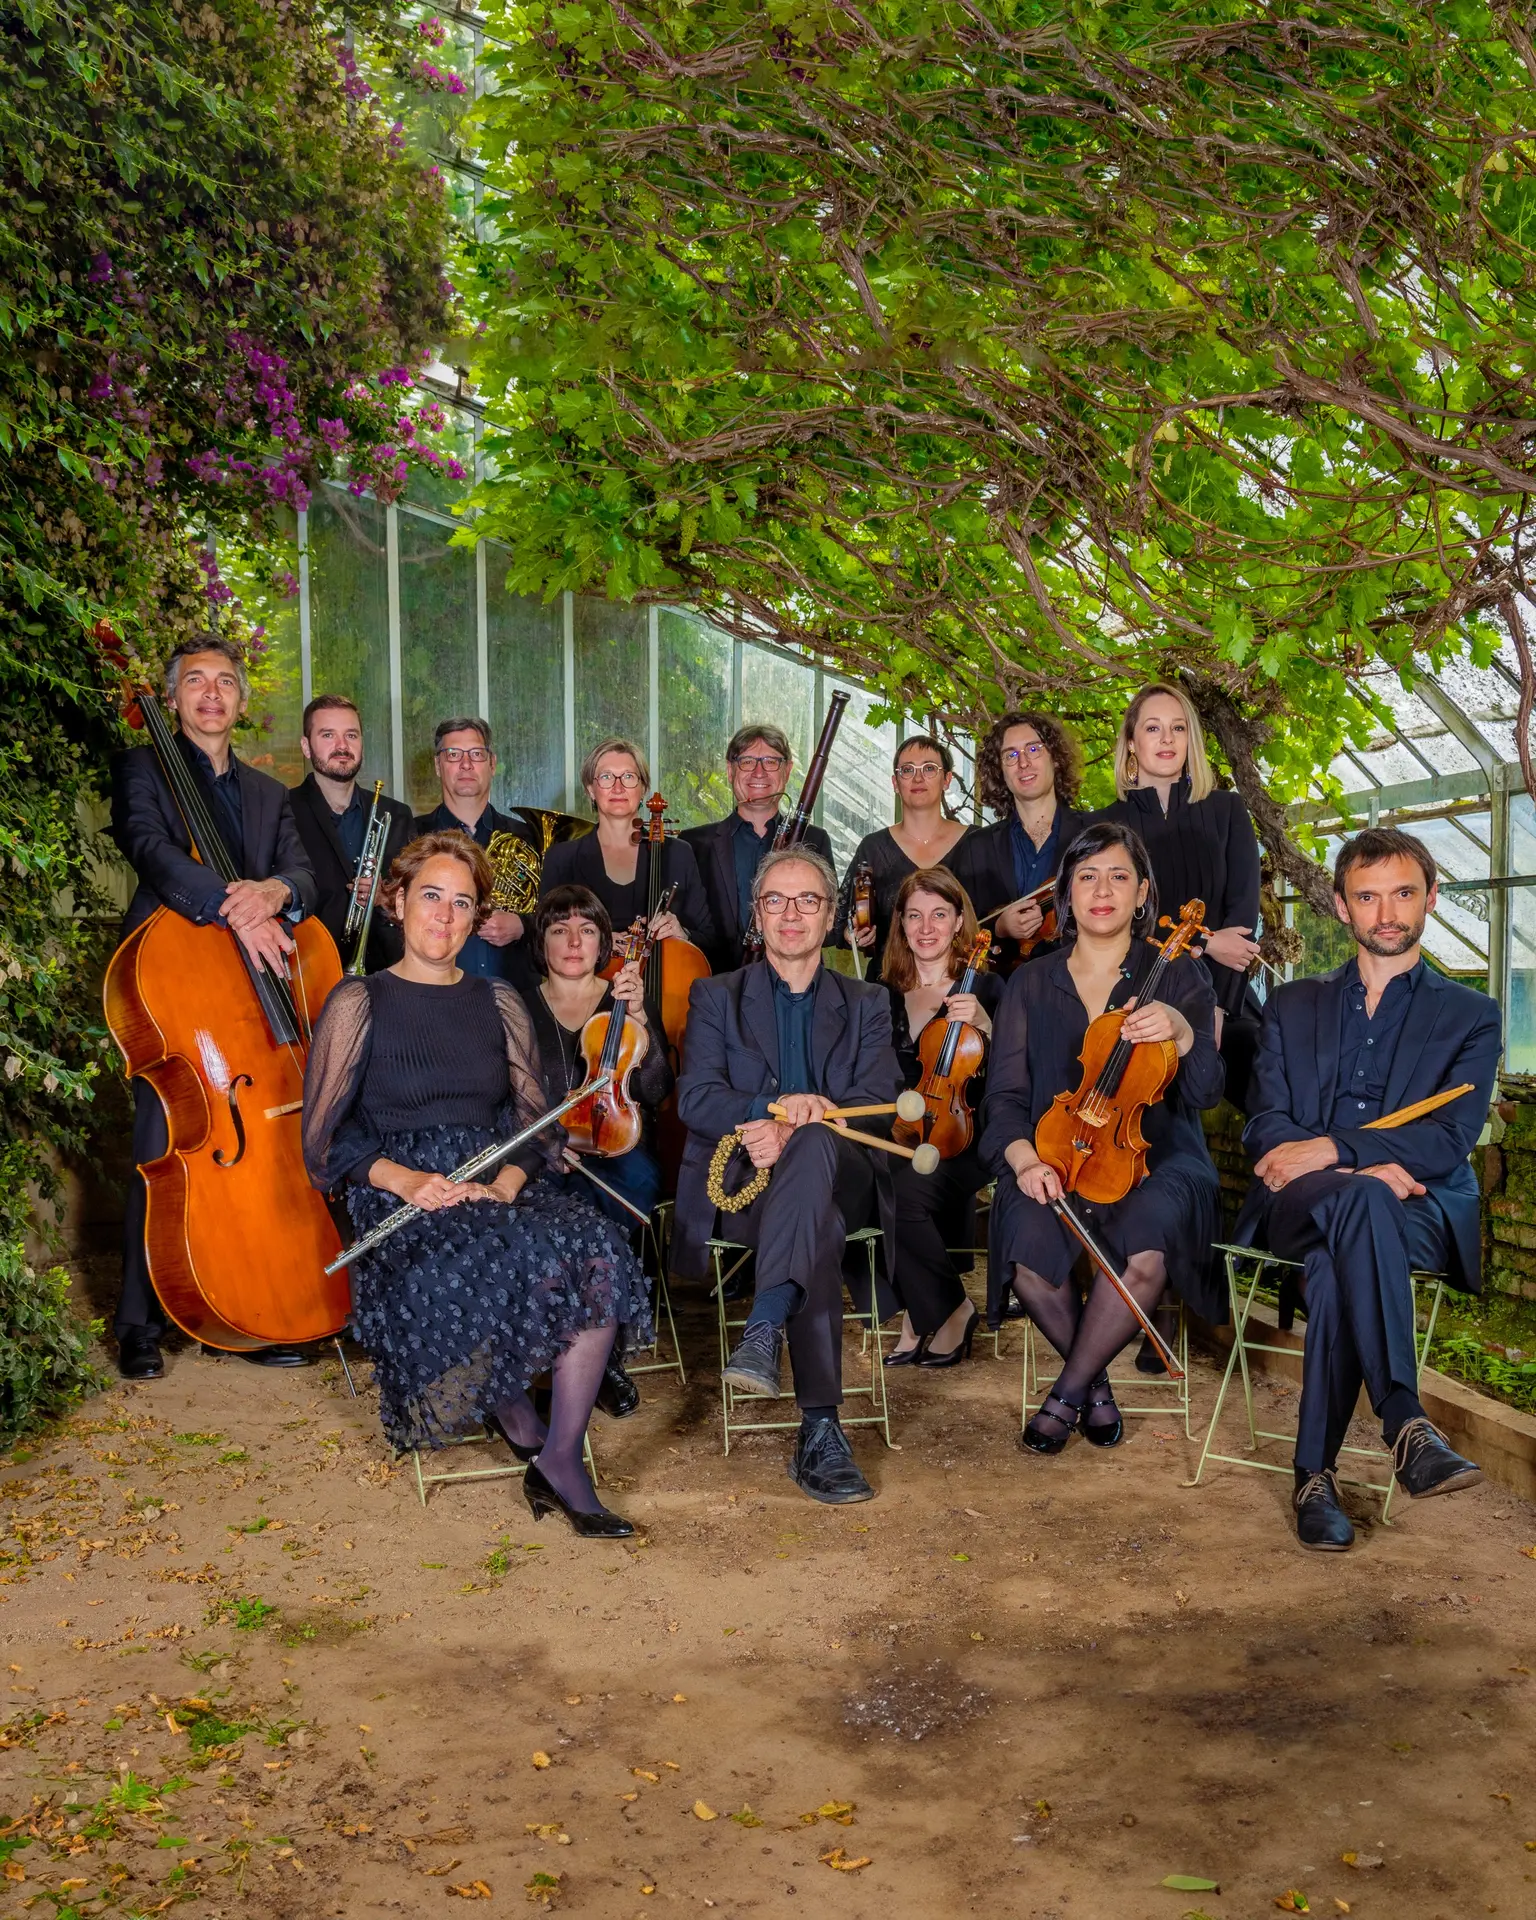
{"x":758,"y":764}
{"x":466,"y":765}
{"x":1029,"y":768}
{"x":788,"y":1031}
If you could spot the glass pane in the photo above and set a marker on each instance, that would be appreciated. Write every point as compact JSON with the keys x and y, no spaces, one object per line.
{"x":349,"y":615}
{"x":613,"y":674}
{"x":858,"y":796}
{"x":277,"y":697}
{"x":695,"y":718}
{"x":526,"y":644}
{"x":1520,"y":1014}
{"x":437,"y":645}
{"x":777,"y":691}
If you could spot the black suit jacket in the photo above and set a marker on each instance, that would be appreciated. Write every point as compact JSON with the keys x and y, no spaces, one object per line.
{"x":714,"y":851}
{"x":983,"y":864}
{"x":152,"y":837}
{"x":731,"y":1061}
{"x":316,"y":823}
{"x":1452,"y":1034}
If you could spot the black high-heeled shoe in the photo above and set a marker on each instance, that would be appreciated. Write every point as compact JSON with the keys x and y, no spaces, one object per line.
{"x":960,"y":1351}
{"x":911,"y":1356}
{"x":542,"y":1498}
{"x":493,"y":1425}
{"x":1109,"y":1434}
{"x":1032,"y":1440}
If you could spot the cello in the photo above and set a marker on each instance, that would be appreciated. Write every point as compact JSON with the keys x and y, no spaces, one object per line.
{"x":671,"y":966}
{"x":952,"y":1054}
{"x":236,"y":1237}
{"x":613,"y":1044}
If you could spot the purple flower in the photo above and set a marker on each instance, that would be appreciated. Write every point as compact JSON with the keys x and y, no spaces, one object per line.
{"x":432,"y":31}
{"x":101,"y":270}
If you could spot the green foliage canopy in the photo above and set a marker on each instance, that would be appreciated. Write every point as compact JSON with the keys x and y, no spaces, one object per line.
{"x":1026,"y":347}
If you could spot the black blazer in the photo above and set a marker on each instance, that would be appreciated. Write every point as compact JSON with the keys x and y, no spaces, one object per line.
{"x":716,"y":858}
{"x":1452,"y":1034}
{"x":580,"y":863}
{"x":731,"y":1059}
{"x":983,"y":864}
{"x":152,"y":837}
{"x":333,"y":870}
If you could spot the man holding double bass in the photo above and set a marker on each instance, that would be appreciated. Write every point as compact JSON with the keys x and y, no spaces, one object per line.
{"x":787,"y":1032}
{"x":207,"y":688}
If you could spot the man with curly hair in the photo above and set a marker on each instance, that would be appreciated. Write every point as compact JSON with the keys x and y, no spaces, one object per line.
{"x":1030,"y":768}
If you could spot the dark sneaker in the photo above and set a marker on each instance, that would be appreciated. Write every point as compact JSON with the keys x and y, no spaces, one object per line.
{"x":823,"y":1466}
{"x":618,"y":1396}
{"x":1321,"y":1522}
{"x":754,"y":1366}
{"x":138,"y":1354}
{"x":1424,"y":1461}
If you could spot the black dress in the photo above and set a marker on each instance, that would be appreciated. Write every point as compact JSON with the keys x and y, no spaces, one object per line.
{"x":461,"y":1308}
{"x":580,"y":863}
{"x":889,"y":866}
{"x":933,"y":1211}
{"x":1037,"y":1044}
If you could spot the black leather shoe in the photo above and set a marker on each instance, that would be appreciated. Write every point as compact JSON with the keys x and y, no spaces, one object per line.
{"x":909,"y":1356}
{"x":280,"y":1357}
{"x":542,"y":1498}
{"x":1424,"y":1461}
{"x":493,"y":1425}
{"x":618,"y":1396}
{"x":754,"y":1366}
{"x":1109,"y":1433}
{"x":823,"y":1465}
{"x":960,"y":1351}
{"x":1148,"y":1359}
{"x":1321,"y":1522}
{"x":1053,"y":1438}
{"x":138,"y":1354}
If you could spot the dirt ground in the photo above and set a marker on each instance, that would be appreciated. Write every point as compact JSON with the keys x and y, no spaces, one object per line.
{"x":249,"y":1674}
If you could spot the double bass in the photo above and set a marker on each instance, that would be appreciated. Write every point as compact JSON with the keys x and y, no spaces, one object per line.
{"x":236,"y":1237}
{"x":951,"y":1055}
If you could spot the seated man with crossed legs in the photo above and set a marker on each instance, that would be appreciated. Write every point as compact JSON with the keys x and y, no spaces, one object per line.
{"x":1363,"y":1208}
{"x":786,"y":1030}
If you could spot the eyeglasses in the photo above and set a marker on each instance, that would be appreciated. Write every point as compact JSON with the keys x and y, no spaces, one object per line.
{"x":476,"y":756}
{"x":805,"y":903}
{"x":628,"y":779}
{"x":1013,"y":755}
{"x":909,"y":769}
{"x":762,"y":762}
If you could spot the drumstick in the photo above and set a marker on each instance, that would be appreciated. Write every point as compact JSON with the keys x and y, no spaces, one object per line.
{"x":1112,"y":1274}
{"x":924,"y":1158}
{"x":1418,"y":1109}
{"x":1023,"y":900}
{"x":911,"y":1105}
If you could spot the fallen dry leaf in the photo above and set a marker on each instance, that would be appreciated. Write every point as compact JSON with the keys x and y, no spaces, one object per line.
{"x":671,"y":1766}
{"x":542,"y":1759}
{"x":1340,"y":1906}
{"x":746,"y":1818}
{"x":476,"y":1890}
{"x":838,"y":1860}
{"x":544,"y":1888}
{"x":627,"y":1798}
{"x":573,"y":1699}
{"x":14,"y":1870}
{"x":1362,"y":1860}
{"x":703,"y":1812}
{"x":1292,"y":1901}
{"x":437,"y":1873}
{"x":1529,"y":1552}
{"x":641,"y":1773}
{"x":549,"y":1830}
{"x":679,"y":1699}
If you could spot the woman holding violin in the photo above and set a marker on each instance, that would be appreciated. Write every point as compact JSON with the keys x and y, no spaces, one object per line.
{"x":932,"y":947}
{"x":1161,"y":1230}
{"x":410,"y":1072}
{"x":614,"y":862}
{"x":926,"y":835}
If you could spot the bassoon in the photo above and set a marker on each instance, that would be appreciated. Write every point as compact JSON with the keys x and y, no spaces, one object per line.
{"x":793,"y":826}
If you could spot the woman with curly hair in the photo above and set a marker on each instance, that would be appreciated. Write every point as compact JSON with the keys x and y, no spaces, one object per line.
{"x":1029,"y":768}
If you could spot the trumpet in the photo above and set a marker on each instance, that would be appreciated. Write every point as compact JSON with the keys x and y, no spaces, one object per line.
{"x":365,"y":889}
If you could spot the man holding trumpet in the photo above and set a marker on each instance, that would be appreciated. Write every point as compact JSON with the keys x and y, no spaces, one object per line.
{"x":773,"y":1053}
{"x":1371,"y":1087}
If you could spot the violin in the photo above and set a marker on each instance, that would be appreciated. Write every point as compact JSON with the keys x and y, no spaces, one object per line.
{"x":1042,"y":896}
{"x":236,"y":1237}
{"x":861,"y":910}
{"x":951,"y":1055}
{"x":673,"y":965}
{"x":1092,"y":1136}
{"x":613,"y":1044}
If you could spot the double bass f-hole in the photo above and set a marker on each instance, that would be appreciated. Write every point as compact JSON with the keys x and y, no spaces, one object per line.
{"x":220,"y":1158}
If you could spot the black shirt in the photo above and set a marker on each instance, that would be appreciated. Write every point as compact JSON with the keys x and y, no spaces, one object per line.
{"x":794,"y":1012}
{"x":1367,"y":1047}
{"x":748,"y":847}
{"x":228,"y":805}
{"x":352,"y":827}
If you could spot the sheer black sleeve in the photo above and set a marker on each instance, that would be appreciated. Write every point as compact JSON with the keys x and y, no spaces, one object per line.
{"x":340,"y":1142}
{"x":525,"y":1095}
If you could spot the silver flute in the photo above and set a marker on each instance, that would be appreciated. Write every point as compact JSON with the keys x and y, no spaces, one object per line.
{"x":365,"y":888}
{"x":471,"y":1170}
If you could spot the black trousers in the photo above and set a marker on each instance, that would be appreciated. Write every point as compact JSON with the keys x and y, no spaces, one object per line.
{"x":137,"y":1305}
{"x":931,"y":1214}
{"x":1359,"y":1245}
{"x":822,"y":1189}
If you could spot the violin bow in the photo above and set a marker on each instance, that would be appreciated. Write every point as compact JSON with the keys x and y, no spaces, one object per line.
{"x":1024,"y":899}
{"x":1116,"y":1279}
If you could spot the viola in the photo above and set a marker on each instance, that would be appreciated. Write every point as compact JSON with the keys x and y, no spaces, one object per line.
{"x":612,"y":1045}
{"x":1092,"y":1136}
{"x":952,"y":1054}
{"x":673,"y":965}
{"x":236,"y":1237}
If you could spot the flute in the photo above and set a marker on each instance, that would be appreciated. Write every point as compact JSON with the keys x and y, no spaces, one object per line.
{"x":471,"y":1169}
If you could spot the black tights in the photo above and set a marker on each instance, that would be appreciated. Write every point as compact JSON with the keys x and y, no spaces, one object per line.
{"x":1087,"y":1335}
{"x":577,"y":1375}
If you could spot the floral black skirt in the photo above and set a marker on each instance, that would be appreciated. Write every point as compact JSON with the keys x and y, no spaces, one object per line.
{"x":460,"y":1309}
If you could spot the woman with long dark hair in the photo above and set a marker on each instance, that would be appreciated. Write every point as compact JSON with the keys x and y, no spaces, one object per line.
{"x":1160,"y":1233}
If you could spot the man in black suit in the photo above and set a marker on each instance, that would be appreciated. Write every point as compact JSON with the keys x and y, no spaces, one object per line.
{"x":1362,"y":1207}
{"x":332,"y":817}
{"x":1029,"y":769}
{"x":758,"y":762}
{"x":788,"y":1031}
{"x":466,"y":766}
{"x":207,"y":688}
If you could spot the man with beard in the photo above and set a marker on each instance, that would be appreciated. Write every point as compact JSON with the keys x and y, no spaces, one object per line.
{"x":332,"y":817}
{"x":1361,"y":1208}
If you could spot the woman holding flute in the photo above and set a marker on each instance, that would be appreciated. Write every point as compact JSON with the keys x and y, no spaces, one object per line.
{"x":410,"y":1072}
